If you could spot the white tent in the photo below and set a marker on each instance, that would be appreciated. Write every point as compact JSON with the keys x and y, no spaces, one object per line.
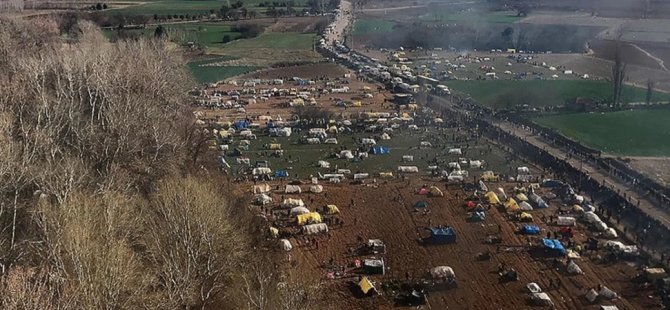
{"x":533,"y":287}
{"x":261,"y":188}
{"x":606,"y":293}
{"x":591,"y":295}
{"x":385,"y":136}
{"x":263,"y":199}
{"x":407,"y":158}
{"x":261,"y":170}
{"x":323,"y":164}
{"x":501,"y":193}
{"x":566,"y":221}
{"x":610,"y":233}
{"x":591,"y":217}
{"x":408,"y":169}
{"x":573,"y":268}
{"x":291,"y":202}
{"x":330,"y":141}
{"x":455,"y":151}
{"x":285,"y":245}
{"x":441,"y":272}
{"x":368,"y":141}
{"x":425,"y":144}
{"x":298,"y":210}
{"x":316,"y":188}
{"x":313,"y":141}
{"x":346,"y":154}
{"x":315,"y":229}
{"x":525,"y":206}
{"x":475,"y":164}
{"x":600,"y":226}
{"x":454,"y":165}
{"x":293,"y":189}
{"x":541,"y":299}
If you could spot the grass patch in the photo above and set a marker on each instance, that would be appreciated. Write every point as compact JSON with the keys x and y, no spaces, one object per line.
{"x":368,"y":26}
{"x":444,"y":15}
{"x":634,"y":133}
{"x":508,"y":93}
{"x":204,"y":72}
{"x":206,"y":34}
{"x":191,"y":7}
{"x":292,"y":41}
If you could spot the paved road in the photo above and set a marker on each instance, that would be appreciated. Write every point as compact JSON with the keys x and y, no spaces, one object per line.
{"x":342,"y":21}
{"x":647,"y":206}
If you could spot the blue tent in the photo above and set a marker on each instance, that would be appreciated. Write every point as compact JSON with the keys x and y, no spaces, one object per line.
{"x":554,"y":244}
{"x":380,"y":150}
{"x":441,"y":235}
{"x":281,"y":174}
{"x":421,"y":204}
{"x":530,"y":230}
{"x":243,"y":124}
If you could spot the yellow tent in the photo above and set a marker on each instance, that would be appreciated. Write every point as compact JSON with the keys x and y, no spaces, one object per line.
{"x":366,"y":286}
{"x":274,"y":232}
{"x":577,"y":209}
{"x":224,"y":133}
{"x":434,"y":191}
{"x":492,"y":198}
{"x":357,"y":104}
{"x":526,"y":217}
{"x":386,"y":174}
{"x":332,"y":209}
{"x":521,"y":197}
{"x":489,"y":176}
{"x":311,"y":217}
{"x":367,"y":88}
{"x":511,"y":205}
{"x":298,"y":101}
{"x":275,"y":146}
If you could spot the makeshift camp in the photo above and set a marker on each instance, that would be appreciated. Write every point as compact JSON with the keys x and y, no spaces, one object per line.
{"x":421,"y":204}
{"x":442,"y":272}
{"x":425,"y":144}
{"x":312,"y":141}
{"x":274,"y":146}
{"x":511,"y":206}
{"x":263,"y":199}
{"x":492,"y":198}
{"x":525,"y":206}
{"x":591,"y":217}
{"x":440,"y":235}
{"x":292,"y":189}
{"x":530,"y":230}
{"x":435,"y":192}
{"x":619,"y":247}
{"x":408,"y":169}
{"x":308,"y":218}
{"x":541,"y":299}
{"x":366,"y":287}
{"x":332,"y":209}
{"x":600,"y":226}
{"x":316,"y":188}
{"x":285,"y":245}
{"x":298,"y":211}
{"x":573,"y":268}
{"x":380,"y":150}
{"x":374,"y":266}
{"x":554,"y":245}
{"x":385,"y":136}
{"x":368,"y":141}
{"x":291,"y":202}
{"x":376,"y":246}
{"x":346,"y":154}
{"x":315,"y":229}
{"x":261,"y":188}
{"x":566,"y":221}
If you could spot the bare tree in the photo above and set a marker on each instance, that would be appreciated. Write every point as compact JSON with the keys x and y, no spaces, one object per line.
{"x":650,"y":91}
{"x":618,"y":72}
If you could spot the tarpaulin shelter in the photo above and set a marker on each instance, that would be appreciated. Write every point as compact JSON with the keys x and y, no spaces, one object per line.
{"x":470,"y":205}
{"x":541,"y":298}
{"x":492,"y":198}
{"x":367,"y":287}
{"x":408,"y":169}
{"x":386,"y":174}
{"x":442,"y":272}
{"x":521,"y":197}
{"x":423,"y":191}
{"x":573,"y":268}
{"x":525,"y":206}
{"x":309,"y":218}
{"x":525,"y":217}
{"x":242,"y":124}
{"x":511,"y":205}
{"x":376,"y":246}
{"x":291,"y":189}
{"x":316,"y":188}
{"x":374,"y":266}
{"x":380,"y":150}
{"x":285,"y":245}
{"x":291,"y":202}
{"x":281,"y":174}
{"x":263,"y":199}
{"x":332,"y":209}
{"x":421,"y":204}
{"x":315,"y":229}
{"x":435,"y":192}
{"x":554,"y":245}
{"x":298,"y":211}
{"x":261,"y":171}
{"x":441,"y":235}
{"x":261,"y":188}
{"x":274,"y":232}
{"x":530,"y":230}
{"x":478,"y":216}
{"x":566,"y":221}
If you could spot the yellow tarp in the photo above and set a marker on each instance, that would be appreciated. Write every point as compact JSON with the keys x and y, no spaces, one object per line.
{"x":521,"y":197}
{"x":492,"y":198}
{"x":366,"y":286}
{"x":511,"y":205}
{"x":275,"y":146}
{"x":332,"y":209}
{"x":577,"y":209}
{"x":386,"y":174}
{"x":489,"y":176}
{"x":312,"y":217}
{"x":526,"y":216}
{"x":357,"y":104}
{"x":274,"y":232}
{"x":434,"y":191}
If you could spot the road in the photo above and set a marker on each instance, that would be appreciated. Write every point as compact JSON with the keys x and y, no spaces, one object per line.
{"x":342,"y":21}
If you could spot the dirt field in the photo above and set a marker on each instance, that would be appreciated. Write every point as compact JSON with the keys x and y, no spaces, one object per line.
{"x":384,"y":211}
{"x":658,"y":168}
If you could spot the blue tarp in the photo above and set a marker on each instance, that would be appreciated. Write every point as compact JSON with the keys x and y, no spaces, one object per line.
{"x":421,"y":204}
{"x":281,"y":174}
{"x":554,"y":244}
{"x":530,"y":230}
{"x":441,"y":235}
{"x":380,"y":150}
{"x":241,"y":124}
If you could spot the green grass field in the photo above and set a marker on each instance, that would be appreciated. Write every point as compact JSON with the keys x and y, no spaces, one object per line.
{"x":443,"y":15}
{"x":191,"y":7}
{"x":207,"y":34}
{"x":507,"y":93}
{"x":634,"y":133}
{"x":288,"y":40}
{"x":369,"y":26}
{"x":208,"y":74}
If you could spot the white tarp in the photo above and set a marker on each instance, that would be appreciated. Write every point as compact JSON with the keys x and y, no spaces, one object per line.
{"x":368,"y":141}
{"x":346,"y":154}
{"x":600,"y":226}
{"x":606,"y":293}
{"x":573,"y":268}
{"x":313,"y":141}
{"x":566,"y":221}
{"x":475,"y":164}
{"x":323,"y":164}
{"x":263,"y":199}
{"x":261,"y":170}
{"x":298,"y":210}
{"x":541,"y":299}
{"x":261,"y":188}
{"x":610,"y":233}
{"x":454,"y":165}
{"x":591,"y":217}
{"x":361,"y":176}
{"x":441,"y":272}
{"x":291,"y":202}
{"x":407,"y":158}
{"x":455,"y":151}
{"x":591,"y":295}
{"x":533,"y":287}
{"x":525,"y":206}
{"x":293,"y":189}
{"x":316,"y":188}
{"x":243,"y":160}
{"x":408,"y":169}
{"x":425,"y":144}
{"x":330,"y":141}
{"x":315,"y":228}
{"x":385,"y":136}
{"x":285,"y":245}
